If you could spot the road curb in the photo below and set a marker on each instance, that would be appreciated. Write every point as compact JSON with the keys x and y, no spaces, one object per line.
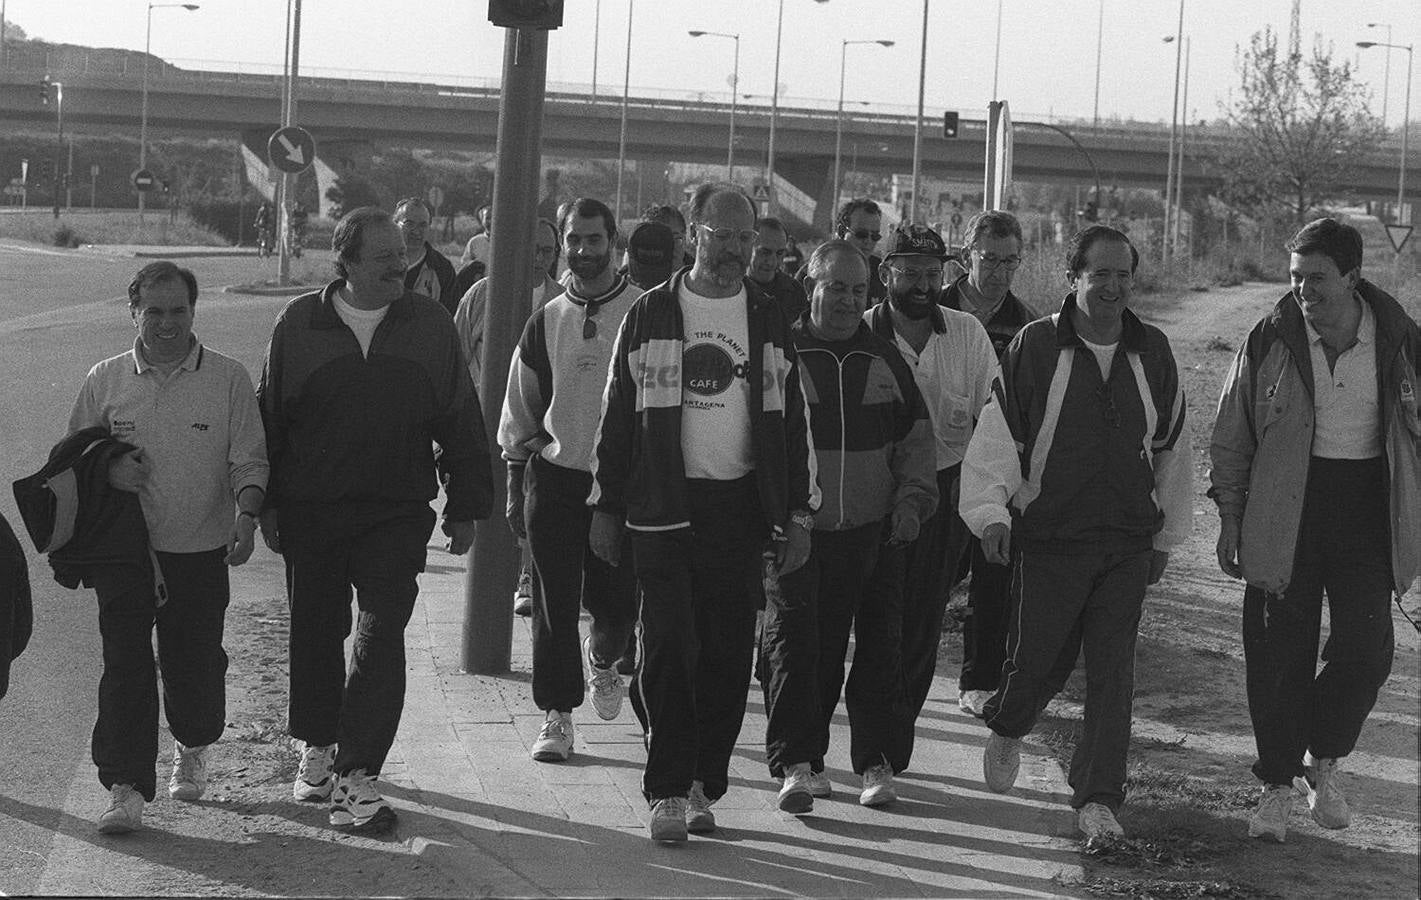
{"x":152,"y":252}
{"x":271,"y":290}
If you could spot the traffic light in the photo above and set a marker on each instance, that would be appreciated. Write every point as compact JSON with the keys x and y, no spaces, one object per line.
{"x":949,"y":124}
{"x":541,"y":15}
{"x":44,"y":91}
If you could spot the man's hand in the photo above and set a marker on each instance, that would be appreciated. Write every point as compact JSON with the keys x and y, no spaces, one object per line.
{"x":1158,"y":563}
{"x":242,"y":540}
{"x":271,"y":532}
{"x":793,"y":552}
{"x":461,"y":536}
{"x":1227,"y":548}
{"x":905,"y":526}
{"x":606,"y":537}
{"x":514,"y":511}
{"x":996,"y":543}
{"x":129,"y":472}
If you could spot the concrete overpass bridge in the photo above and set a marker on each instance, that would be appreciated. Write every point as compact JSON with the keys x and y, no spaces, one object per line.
{"x":351,"y":116}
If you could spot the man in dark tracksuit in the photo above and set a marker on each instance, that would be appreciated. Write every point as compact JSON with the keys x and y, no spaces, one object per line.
{"x":361,"y":379}
{"x":429,"y":272}
{"x":703,"y":453}
{"x":1079,"y":471}
{"x":994,"y":243}
{"x":875,"y":450}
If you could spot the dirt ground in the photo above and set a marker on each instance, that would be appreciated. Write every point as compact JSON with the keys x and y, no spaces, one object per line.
{"x":1190,"y":790}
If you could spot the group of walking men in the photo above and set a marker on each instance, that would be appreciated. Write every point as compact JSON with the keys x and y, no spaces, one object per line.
{"x":699,"y":435}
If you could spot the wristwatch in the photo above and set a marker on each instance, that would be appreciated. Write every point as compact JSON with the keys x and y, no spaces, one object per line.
{"x":804,"y":520}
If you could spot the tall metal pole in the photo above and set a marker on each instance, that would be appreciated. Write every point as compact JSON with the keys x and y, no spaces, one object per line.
{"x":4,"y":51}
{"x":626,"y":92}
{"x":1099,"y":40}
{"x":492,"y":566}
{"x":918,"y":123}
{"x":1173,"y":134}
{"x":734,"y":92}
{"x":1179,"y":165}
{"x":288,"y":181}
{"x":773,"y":205}
{"x":996,"y":54}
{"x":839,"y":123}
{"x":143,"y":115}
{"x":596,"y":44}
{"x":1405,"y":133}
{"x":58,"y":141}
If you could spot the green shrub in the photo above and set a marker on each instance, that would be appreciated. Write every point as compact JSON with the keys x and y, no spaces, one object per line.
{"x":64,"y":236}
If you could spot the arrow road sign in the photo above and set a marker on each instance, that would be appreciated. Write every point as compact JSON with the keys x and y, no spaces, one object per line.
{"x":291,"y":149}
{"x":1398,"y":234}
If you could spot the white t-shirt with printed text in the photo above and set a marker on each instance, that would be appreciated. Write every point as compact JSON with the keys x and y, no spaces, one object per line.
{"x":715,"y":388}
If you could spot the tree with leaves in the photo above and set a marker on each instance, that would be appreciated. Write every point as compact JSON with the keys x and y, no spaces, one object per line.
{"x":1298,"y":123}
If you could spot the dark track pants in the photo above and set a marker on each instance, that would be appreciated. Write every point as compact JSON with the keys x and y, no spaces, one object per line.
{"x":698,"y":635}
{"x":1344,"y":550}
{"x":1061,"y":603}
{"x":803,"y":642}
{"x":378,"y":553}
{"x":194,"y":665}
{"x":570,"y":577}
{"x":919,"y":573}
{"x":984,"y":631}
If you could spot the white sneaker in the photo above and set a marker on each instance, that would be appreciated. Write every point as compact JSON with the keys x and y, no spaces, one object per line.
{"x":125,"y":811}
{"x":1324,"y":792}
{"x":554,"y":743}
{"x":189,"y":777}
{"x":1097,"y":823}
{"x":605,"y":685}
{"x":795,"y":796}
{"x":357,"y":805}
{"x":1270,"y":819}
{"x":314,"y":778}
{"x":699,"y":818}
{"x":878,"y":786}
{"x":973,"y":702}
{"x":668,"y":819}
{"x":820,"y":786}
{"x":1001,"y":760}
{"x":523,"y":594}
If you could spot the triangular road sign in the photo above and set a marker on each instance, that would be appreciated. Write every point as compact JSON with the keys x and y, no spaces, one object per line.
{"x":1398,"y":234}
{"x":761,"y":191}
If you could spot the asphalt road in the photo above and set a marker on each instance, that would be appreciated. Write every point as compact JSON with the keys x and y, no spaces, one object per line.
{"x":61,"y":312}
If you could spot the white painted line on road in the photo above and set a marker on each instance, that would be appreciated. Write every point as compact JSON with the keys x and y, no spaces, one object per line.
{"x":21,"y":248}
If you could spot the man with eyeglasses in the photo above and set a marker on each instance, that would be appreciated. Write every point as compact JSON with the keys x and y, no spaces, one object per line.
{"x":703,"y":456}
{"x":362,"y":380}
{"x":769,"y":252}
{"x":1079,"y":474}
{"x":994,"y":244}
{"x":859,"y":222}
{"x":953,"y":364}
{"x":547,"y":433}
{"x":430,"y":272}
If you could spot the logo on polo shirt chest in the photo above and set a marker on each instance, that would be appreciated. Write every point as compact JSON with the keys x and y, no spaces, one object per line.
{"x":200,"y":426}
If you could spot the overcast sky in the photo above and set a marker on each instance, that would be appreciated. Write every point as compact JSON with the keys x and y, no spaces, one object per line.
{"x":1047,"y":59}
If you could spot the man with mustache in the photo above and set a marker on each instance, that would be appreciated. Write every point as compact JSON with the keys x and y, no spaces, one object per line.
{"x":765,"y":268}
{"x":362,"y":379}
{"x":953,"y":364}
{"x":547,"y":430}
{"x":703,"y":454}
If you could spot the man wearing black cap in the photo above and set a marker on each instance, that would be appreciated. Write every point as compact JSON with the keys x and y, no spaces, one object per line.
{"x":765,"y":268}
{"x":954,"y":364}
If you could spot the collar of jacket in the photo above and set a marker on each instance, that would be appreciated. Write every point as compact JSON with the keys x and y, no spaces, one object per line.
{"x":881,"y":320}
{"x":804,"y":338}
{"x":1132,"y":330}
{"x":953,"y":298}
{"x":325,"y":315}
{"x":1392,"y":325}
{"x":755,"y":296}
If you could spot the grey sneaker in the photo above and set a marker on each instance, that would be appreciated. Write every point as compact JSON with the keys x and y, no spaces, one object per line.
{"x":795,"y":796}
{"x":554,"y":743}
{"x":820,"y":786}
{"x":523,"y":594}
{"x":1097,"y":823}
{"x":314,"y":778}
{"x":356,"y":805}
{"x":878,"y":786}
{"x":699,"y":818}
{"x":1270,"y":819}
{"x":1000,"y":762}
{"x":189,"y":778}
{"x":668,"y":820}
{"x":125,"y":811}
{"x":1323,"y":791}
{"x":972,"y":702}
{"x":605,"y":685}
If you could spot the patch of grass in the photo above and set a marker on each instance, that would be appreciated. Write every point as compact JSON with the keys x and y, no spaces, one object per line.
{"x":1165,"y":788}
{"x":1217,"y":344}
{"x":1170,"y":889}
{"x":107,"y":227}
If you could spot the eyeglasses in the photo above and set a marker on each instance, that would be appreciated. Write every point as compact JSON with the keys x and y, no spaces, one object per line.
{"x":589,"y":324}
{"x":913,"y":274}
{"x":864,"y":234}
{"x":726,"y":235}
{"x":990,"y":263}
{"x":1112,"y":415}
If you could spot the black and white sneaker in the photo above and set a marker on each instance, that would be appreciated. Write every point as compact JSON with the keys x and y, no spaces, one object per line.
{"x":357,"y":806}
{"x":314,"y":778}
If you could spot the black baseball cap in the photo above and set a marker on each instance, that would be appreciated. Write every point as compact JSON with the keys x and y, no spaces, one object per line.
{"x":916,"y":240}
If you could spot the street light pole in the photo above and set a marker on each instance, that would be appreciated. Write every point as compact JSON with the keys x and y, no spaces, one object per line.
{"x":734,"y":90}
{"x":839,"y":118}
{"x":775,"y":110}
{"x":918,"y":123}
{"x":1386,"y":72}
{"x":626,"y":92}
{"x":1178,"y":39}
{"x":143,"y":115}
{"x":1099,"y":38}
{"x":1405,"y":121}
{"x":59,"y":140}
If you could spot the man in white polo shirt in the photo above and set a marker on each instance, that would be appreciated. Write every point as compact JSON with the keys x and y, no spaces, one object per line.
{"x":193,"y":415}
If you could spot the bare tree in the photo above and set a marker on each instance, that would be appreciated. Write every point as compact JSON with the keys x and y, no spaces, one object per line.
{"x":1299,"y":124}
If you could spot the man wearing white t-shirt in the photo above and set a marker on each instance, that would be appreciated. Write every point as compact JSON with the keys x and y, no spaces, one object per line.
{"x":703,"y":454}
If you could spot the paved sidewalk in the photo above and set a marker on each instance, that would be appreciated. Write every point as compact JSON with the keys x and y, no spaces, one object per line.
{"x":474,"y":803}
